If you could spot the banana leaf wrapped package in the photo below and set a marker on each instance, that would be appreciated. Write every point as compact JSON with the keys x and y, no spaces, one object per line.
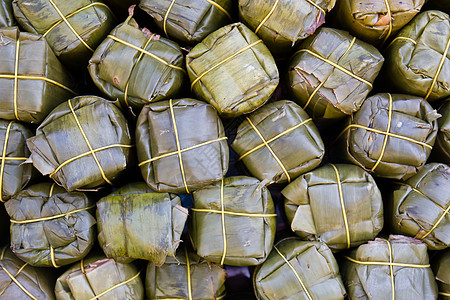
{"x":440,"y":265}
{"x":97,"y":277}
{"x":332,"y":73}
{"x":299,"y":270}
{"x":181,"y":145}
{"x":420,"y":206}
{"x":354,"y":207}
{"x":41,"y":82}
{"x":136,"y":66}
{"x":395,"y":268}
{"x":49,"y":226}
{"x":418,"y":59}
{"x":6,"y":14}
{"x":281,"y":135}
{"x":442,"y":146}
{"x":233,"y":70}
{"x":185,"y":276}
{"x":233,"y":222}
{"x":20,"y":281}
{"x":135,"y":222}
{"x":84,"y":143}
{"x":391,"y":136}
{"x":188,"y":21}
{"x":73,"y":28}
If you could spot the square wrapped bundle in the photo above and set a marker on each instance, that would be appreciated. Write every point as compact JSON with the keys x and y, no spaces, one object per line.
{"x":233,"y":222}
{"x":32,"y":80}
{"x":84,"y":143}
{"x":340,"y":205}
{"x":49,"y":226}
{"x":6,"y":14}
{"x":442,"y":146}
{"x":283,"y":136}
{"x":440,"y":265}
{"x":420,"y":207}
{"x":181,"y":145}
{"x":135,"y":222}
{"x":332,"y":73}
{"x":233,"y":70}
{"x":299,"y":270}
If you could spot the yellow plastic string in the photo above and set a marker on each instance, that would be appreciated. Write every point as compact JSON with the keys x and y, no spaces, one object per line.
{"x":188,"y":270}
{"x":2,"y":168}
{"x":116,"y":286}
{"x":166,"y":16}
{"x":391,"y":268}
{"x":52,"y":257}
{"x":383,"y":148}
{"x":378,"y":263}
{"x":16,"y":71}
{"x":82,"y":266}
{"x":402,"y":38}
{"x":52,"y":217}
{"x":233,"y":213}
{"x":444,"y":294}
{"x":295,"y":273}
{"x":341,"y":198}
{"x":389,"y":13}
{"x":317,"y":6}
{"x":220,"y":8}
{"x":437,"y":223}
{"x":3,"y":253}
{"x":224,"y":236}
{"x":267,"y":16}
{"x":83,"y":271}
{"x":19,"y":284}
{"x":51,"y":190}
{"x":17,"y":274}
{"x":38,"y":78}
{"x":439,"y":69}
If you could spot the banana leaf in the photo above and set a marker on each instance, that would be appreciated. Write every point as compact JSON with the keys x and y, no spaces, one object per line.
{"x":420,"y":206}
{"x":244,"y":233}
{"x":296,"y":142}
{"x":371,"y":281}
{"x":100,"y":277}
{"x":6,"y":14}
{"x":30,"y":283}
{"x":282,"y":24}
{"x":188,"y":125}
{"x":200,"y":280}
{"x":73,"y":28}
{"x":415,"y":60}
{"x":412,"y":132}
{"x":440,"y":265}
{"x":332,"y":73}
{"x":49,"y":226}
{"x":232,"y":70}
{"x":442,"y":146}
{"x":84,"y":143}
{"x":188,"y":21}
{"x":132,"y":76}
{"x":135,"y":222}
{"x":299,"y":270}
{"x":350,"y":219}
{"x":42,"y":81}
{"x":14,"y":175}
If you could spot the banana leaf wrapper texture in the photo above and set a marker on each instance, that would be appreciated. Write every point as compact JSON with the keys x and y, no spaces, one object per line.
{"x":417,"y":60}
{"x":73,"y":28}
{"x":294,"y":145}
{"x":391,"y":136}
{"x":181,"y":145}
{"x":440,"y":265}
{"x":135,"y":222}
{"x":332,"y":73}
{"x":395,"y":268}
{"x":185,"y":276}
{"x":42,"y":82}
{"x":354,"y":207}
{"x":233,"y":70}
{"x":442,"y":146}
{"x":268,"y":19}
{"x":233,"y":222}
{"x":301,"y":270}
{"x":84,"y":143}
{"x":20,"y":281}
{"x":420,"y":206}
{"x":136,"y":66}
{"x":188,"y":21}
{"x":6,"y":14}
{"x":97,"y":277}
{"x":51,"y":227}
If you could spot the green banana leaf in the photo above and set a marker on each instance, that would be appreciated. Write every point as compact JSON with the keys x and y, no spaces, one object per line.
{"x":134,"y":77}
{"x":313,"y":263}
{"x":86,"y":24}
{"x":327,"y":91}
{"x":14,"y":175}
{"x":413,"y":59}
{"x":42,"y":82}
{"x":61,"y":150}
{"x":206,"y":281}
{"x":188,"y":21}
{"x":237,"y":240}
{"x":100,"y":275}
{"x":274,"y":120}
{"x":135,"y":222}
{"x":442,"y":146}
{"x":364,"y":281}
{"x":198,"y":128}
{"x":34,"y":283}
{"x":232,"y":70}
{"x":6,"y":14}
{"x":65,"y":237}
{"x":417,"y":207}
{"x":440,"y":265}
{"x":282,"y":24}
